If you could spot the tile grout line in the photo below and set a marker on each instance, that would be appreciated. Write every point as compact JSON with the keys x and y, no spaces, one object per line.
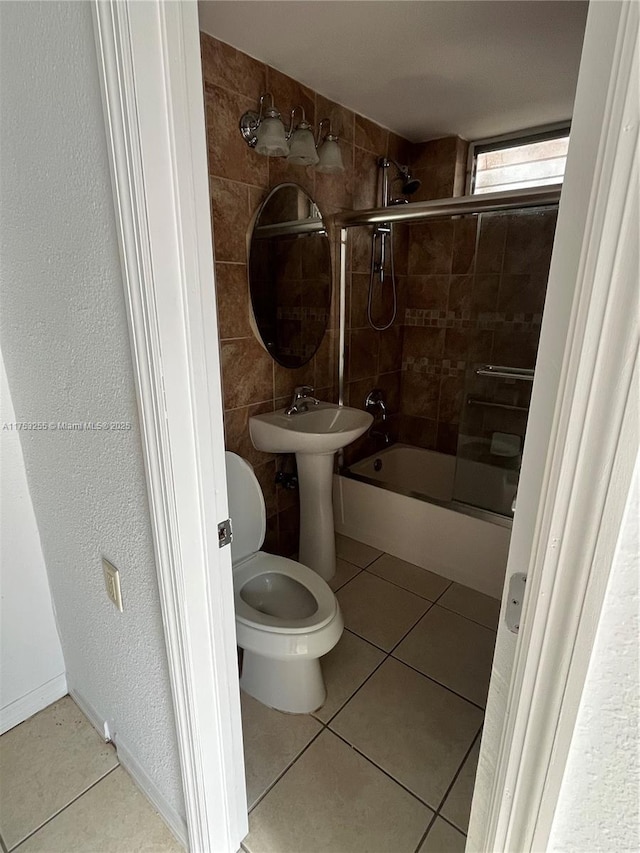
{"x":398,"y":660}
{"x":451,"y":824}
{"x":325,"y":726}
{"x":382,"y":770}
{"x":468,"y":618}
{"x":455,"y":778}
{"x":440,"y":684}
{"x":404,"y":588}
{"x":399,"y":586}
{"x":288,"y":767}
{"x":389,"y":654}
{"x":426,"y":832}
{"x":64,"y":808}
{"x":438,"y":812}
{"x":356,"y":691}
{"x":371,"y":674}
{"x":3,"y":846}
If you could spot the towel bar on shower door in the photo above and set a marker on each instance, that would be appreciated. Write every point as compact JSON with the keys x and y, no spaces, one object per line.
{"x":501,"y":372}
{"x":474,"y":401}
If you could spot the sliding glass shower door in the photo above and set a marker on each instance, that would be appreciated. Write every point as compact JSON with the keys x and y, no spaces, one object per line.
{"x":499,"y":372}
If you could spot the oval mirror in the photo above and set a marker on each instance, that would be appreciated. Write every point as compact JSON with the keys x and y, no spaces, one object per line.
{"x":290,"y":275}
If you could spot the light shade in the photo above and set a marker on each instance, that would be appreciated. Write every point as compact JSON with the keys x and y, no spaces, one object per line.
{"x":302,"y":147}
{"x":271,"y":140}
{"x":330,"y":157}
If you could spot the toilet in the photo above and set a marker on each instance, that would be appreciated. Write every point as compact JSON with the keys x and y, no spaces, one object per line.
{"x":287,"y":617}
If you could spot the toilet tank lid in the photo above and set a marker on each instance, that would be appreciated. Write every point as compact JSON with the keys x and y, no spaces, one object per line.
{"x":246,"y":508}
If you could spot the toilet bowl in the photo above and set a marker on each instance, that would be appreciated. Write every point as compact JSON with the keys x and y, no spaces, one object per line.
{"x":287,"y":617}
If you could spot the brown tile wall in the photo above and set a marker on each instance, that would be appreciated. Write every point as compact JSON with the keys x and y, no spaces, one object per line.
{"x":441,"y":165}
{"x":464,"y":296}
{"x":475,"y":294}
{"x":373,"y":358}
{"x":239,"y":181}
{"x":377,"y":359}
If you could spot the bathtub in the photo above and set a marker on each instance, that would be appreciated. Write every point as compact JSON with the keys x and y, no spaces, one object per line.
{"x":400,"y":500}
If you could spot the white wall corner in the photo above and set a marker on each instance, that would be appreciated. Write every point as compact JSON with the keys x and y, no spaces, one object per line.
{"x":36,"y":700}
{"x":101,"y":725}
{"x":32,"y":666}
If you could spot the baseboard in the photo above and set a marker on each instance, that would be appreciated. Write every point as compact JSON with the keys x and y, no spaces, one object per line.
{"x":96,"y":719}
{"x":19,"y":710}
{"x":174,"y":820}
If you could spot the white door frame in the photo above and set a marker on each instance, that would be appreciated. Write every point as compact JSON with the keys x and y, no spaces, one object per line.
{"x":582,"y":438}
{"x":150,"y":67}
{"x":149,"y":58}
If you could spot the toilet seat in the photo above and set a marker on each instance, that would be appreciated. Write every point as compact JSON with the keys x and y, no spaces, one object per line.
{"x":262,"y":563}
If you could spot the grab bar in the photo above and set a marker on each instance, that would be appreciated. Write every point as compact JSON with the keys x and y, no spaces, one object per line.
{"x":505,"y":372}
{"x":474,"y":401}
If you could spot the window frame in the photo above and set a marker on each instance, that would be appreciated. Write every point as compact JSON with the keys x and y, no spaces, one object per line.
{"x":510,"y":140}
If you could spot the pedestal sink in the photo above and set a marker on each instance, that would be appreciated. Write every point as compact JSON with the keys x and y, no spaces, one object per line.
{"x":314,"y":436}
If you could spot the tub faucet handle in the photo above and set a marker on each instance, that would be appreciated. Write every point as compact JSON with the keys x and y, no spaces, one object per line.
{"x":375,"y":400}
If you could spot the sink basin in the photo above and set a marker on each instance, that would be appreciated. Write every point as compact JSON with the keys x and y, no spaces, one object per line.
{"x":314,"y":436}
{"x":324,"y":428}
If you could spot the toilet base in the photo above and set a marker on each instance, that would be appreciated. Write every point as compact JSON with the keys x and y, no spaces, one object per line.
{"x":292,"y":686}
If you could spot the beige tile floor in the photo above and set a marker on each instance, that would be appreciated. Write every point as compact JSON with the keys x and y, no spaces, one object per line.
{"x":61,"y":785}
{"x":387,"y":765}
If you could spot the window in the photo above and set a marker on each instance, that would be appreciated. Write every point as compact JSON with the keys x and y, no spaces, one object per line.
{"x":514,"y":163}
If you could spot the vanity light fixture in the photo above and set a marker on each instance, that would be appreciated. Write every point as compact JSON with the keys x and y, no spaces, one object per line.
{"x":302,"y":147}
{"x":329,"y":154}
{"x":265,"y":133}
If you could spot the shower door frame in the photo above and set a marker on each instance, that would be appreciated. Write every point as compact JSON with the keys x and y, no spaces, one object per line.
{"x":420,"y":212}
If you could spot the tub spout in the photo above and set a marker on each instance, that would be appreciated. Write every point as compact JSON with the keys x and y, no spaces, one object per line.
{"x":383,"y":434}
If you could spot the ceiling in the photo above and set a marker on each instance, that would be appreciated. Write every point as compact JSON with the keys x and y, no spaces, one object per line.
{"x":423,"y":68}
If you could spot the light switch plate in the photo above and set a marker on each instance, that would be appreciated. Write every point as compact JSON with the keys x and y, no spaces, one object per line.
{"x":112,"y":582}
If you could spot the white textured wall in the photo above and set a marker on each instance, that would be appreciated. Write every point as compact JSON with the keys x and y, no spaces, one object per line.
{"x":68,"y":359}
{"x":31,"y":662}
{"x":598,"y":808}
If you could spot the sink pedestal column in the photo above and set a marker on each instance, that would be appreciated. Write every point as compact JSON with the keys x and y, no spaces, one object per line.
{"x":317,"y":537}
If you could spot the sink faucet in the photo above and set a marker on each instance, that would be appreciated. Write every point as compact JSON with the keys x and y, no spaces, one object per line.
{"x":302,"y":396}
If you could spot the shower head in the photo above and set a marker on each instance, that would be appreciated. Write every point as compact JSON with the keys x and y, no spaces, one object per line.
{"x":409,"y":185}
